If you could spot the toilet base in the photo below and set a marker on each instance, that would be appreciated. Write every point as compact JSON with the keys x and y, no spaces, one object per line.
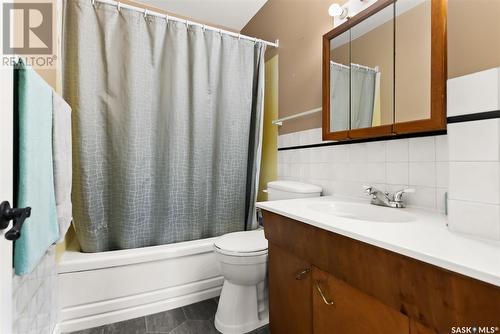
{"x":242,"y":308}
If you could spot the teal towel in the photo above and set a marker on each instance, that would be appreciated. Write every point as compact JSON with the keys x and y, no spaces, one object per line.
{"x":35,"y":178}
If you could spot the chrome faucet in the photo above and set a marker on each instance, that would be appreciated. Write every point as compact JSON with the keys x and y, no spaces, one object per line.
{"x":384,"y":198}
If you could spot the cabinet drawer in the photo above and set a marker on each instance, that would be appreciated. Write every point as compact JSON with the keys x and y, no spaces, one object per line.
{"x":340,"y":308}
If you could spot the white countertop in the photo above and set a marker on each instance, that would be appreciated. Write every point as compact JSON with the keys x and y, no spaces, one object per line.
{"x":426,"y":238}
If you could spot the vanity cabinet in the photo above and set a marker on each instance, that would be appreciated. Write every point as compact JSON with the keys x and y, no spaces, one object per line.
{"x":291,"y":291}
{"x":325,"y":283}
{"x":339,"y":308}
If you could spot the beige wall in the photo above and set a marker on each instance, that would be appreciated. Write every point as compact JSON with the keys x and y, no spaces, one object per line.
{"x":473,"y":45}
{"x":473,"y":36}
{"x":299,"y":25}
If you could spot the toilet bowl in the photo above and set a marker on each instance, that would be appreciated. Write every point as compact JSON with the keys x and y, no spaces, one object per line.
{"x":243,"y":301}
{"x":242,"y":256}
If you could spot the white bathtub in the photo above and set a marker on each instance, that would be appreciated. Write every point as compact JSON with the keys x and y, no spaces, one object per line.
{"x":101,"y":288}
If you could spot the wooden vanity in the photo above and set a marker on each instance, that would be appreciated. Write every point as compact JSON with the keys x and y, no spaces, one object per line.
{"x":323,"y":282}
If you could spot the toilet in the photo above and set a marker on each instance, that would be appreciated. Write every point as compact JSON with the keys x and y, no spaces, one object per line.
{"x":242,"y":256}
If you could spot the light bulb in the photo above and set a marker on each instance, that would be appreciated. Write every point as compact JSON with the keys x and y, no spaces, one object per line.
{"x":335,"y":10}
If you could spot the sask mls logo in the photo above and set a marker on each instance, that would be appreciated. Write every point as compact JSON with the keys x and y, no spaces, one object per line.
{"x":27,"y":28}
{"x":474,"y":330}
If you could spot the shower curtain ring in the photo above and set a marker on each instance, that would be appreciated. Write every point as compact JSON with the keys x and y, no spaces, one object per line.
{"x":239,"y":36}
{"x":93,"y":2}
{"x":167,"y":18}
{"x":203,"y":28}
{"x":118,"y":6}
{"x":145,"y":13}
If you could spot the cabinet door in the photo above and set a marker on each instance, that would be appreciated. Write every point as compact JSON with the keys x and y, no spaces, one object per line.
{"x":290,"y":301}
{"x":418,"y":328}
{"x":340,"y":308}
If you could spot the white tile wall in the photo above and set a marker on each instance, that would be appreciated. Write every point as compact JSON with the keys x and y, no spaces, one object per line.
{"x":422,"y":149}
{"x":474,"y":154}
{"x":475,"y":181}
{"x":419,"y":163}
{"x":474,"y":218}
{"x":475,"y":141}
{"x":473,"y":93}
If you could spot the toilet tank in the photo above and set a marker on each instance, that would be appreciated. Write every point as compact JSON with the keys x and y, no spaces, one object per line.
{"x":277,"y":190}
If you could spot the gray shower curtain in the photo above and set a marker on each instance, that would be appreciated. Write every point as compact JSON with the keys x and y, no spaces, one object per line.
{"x":363,"y":82}
{"x":166,"y":127}
{"x":339,"y":97}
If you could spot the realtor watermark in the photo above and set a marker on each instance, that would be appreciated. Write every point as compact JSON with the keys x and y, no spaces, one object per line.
{"x":28,"y":33}
{"x":475,"y":329}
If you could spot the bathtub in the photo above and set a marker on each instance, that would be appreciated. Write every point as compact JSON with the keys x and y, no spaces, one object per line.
{"x":102,"y":288}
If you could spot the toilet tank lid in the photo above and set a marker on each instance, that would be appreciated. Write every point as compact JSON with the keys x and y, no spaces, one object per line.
{"x":294,"y":187}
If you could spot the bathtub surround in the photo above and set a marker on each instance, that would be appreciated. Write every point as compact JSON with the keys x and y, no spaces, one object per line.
{"x":166,"y":127}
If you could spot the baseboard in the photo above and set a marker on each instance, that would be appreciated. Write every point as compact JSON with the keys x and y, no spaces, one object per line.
{"x":98,"y":319}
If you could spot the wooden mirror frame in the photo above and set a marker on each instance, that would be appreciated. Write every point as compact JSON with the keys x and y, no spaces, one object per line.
{"x":439,"y":75}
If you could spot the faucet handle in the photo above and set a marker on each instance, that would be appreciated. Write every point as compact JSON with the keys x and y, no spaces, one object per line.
{"x":368,"y":189}
{"x":398,"y":195}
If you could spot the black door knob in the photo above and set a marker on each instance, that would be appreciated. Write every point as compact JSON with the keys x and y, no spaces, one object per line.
{"x":7,"y":213}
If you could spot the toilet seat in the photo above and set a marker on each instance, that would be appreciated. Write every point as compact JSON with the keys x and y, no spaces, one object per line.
{"x":246,"y":243}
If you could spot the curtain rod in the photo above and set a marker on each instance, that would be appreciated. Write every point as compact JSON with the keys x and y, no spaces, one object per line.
{"x":146,"y":12}
{"x":375,"y":69}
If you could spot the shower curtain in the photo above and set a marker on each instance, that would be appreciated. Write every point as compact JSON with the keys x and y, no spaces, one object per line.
{"x":166,"y":127}
{"x":363,"y":84}
{"x":339,"y":96}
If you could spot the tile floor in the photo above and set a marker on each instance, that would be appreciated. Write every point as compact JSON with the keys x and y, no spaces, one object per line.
{"x":192,"y":319}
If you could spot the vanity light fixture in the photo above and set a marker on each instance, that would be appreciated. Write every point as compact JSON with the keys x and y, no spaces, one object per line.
{"x":336,"y":10}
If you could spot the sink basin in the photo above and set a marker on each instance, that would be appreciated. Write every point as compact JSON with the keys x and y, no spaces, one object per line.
{"x":365,"y":212}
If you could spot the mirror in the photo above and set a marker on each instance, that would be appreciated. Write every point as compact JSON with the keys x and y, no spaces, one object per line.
{"x":413,"y":60}
{"x":339,"y":82}
{"x":384,"y":71}
{"x":372,"y":70}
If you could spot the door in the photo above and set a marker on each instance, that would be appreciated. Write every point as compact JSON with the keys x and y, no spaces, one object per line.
{"x":340,"y":308}
{"x":290,"y":308}
{"x":6,"y":192}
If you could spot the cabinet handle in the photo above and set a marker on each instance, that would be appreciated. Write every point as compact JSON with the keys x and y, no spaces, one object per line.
{"x":302,"y":274}
{"x":325,"y":300}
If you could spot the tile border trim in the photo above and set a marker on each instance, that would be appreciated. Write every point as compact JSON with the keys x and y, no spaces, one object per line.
{"x":474,"y":117}
{"x":450,"y":120}
{"x":366,"y":140}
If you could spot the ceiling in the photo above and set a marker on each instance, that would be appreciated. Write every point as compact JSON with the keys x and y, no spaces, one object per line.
{"x":233,"y":14}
